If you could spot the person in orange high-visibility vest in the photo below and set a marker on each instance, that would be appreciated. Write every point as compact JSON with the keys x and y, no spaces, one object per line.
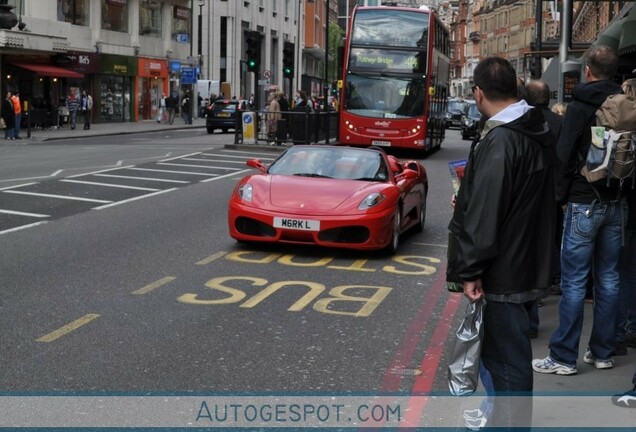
{"x":17,"y":108}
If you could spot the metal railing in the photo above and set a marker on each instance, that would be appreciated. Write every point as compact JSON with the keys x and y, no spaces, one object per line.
{"x":294,"y":127}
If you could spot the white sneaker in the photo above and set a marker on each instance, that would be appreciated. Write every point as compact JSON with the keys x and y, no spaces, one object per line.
{"x":550,"y":366}
{"x":589,"y":358}
{"x":476,"y":423}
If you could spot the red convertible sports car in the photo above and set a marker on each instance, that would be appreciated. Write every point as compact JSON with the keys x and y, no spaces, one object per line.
{"x":333,"y":196}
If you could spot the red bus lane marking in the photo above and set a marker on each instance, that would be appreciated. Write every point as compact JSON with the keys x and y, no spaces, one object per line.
{"x":432,"y":352}
{"x":430,"y":363}
{"x":406,"y":350}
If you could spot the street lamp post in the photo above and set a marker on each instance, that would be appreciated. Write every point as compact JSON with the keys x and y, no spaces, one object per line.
{"x":325,"y":99}
{"x":194,"y":103}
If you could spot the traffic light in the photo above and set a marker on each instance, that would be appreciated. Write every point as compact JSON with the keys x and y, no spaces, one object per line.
{"x":288,"y":60}
{"x":535,"y":68}
{"x":253,"y":51}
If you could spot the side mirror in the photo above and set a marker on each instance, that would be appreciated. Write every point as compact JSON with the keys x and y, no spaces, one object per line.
{"x":407,"y":174}
{"x":256,"y":163}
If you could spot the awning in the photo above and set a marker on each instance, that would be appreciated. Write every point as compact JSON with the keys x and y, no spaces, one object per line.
{"x":627,"y":42}
{"x":49,"y":70}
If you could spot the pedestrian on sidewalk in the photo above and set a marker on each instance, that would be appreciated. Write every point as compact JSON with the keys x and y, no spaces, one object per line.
{"x":72,"y":103}
{"x":186,"y":108}
{"x":171,"y":106}
{"x":8,"y":115}
{"x":17,"y":109}
{"x":86,"y":103}
{"x":162,"y":108}
{"x":626,"y":330}
{"x":504,"y":235}
{"x":592,"y":233}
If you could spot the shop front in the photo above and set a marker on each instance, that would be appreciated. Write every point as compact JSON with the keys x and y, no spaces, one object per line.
{"x":113,"y":99}
{"x":152,"y":84}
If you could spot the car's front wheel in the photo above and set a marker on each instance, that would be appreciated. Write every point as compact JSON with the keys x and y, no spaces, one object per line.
{"x":422,"y":216}
{"x":210,"y":129}
{"x":395,"y":237}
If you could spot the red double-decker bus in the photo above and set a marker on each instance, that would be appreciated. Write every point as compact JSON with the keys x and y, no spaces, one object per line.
{"x":395,"y":78}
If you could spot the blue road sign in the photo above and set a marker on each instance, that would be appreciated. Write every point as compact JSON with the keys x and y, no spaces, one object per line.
{"x":188,"y":75}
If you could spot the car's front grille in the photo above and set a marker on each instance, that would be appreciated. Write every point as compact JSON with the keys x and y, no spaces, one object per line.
{"x":253,"y":227}
{"x":352,"y":234}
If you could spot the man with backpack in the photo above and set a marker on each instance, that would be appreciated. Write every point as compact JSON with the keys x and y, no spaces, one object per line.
{"x":592,"y":234}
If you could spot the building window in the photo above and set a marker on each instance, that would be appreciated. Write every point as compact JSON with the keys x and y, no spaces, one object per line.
{"x":73,"y":11}
{"x":115,"y":15}
{"x":181,"y":23}
{"x":150,"y":18}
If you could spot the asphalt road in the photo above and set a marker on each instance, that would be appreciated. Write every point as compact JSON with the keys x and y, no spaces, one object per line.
{"x":151,"y":294}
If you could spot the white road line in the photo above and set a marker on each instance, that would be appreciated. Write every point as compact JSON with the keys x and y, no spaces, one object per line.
{"x":110,"y":185}
{"x":198,"y":166}
{"x":141,"y":178}
{"x":119,"y":163}
{"x":241,"y":157}
{"x":23,"y":227}
{"x":179,"y":157}
{"x":13,"y":212}
{"x":100,"y":171}
{"x":133,"y":199}
{"x":66,"y":197}
{"x":215,"y":160}
{"x":249,"y":153}
{"x":18,"y":186}
{"x":173,"y":171}
{"x":225,"y":176}
{"x":56,"y":173}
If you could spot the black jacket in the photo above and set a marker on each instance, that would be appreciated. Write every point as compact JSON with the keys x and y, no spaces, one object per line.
{"x":575,"y":140}
{"x":503,"y":223}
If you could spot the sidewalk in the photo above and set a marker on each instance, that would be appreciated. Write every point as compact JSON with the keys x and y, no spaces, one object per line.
{"x":105,"y":129}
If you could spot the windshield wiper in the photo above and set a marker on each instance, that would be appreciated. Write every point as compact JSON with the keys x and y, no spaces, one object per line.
{"x":311,"y":175}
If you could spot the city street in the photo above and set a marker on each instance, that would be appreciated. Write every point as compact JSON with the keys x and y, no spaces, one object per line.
{"x":136,"y":286}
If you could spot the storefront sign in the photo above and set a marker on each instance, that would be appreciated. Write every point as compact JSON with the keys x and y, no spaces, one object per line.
{"x":119,"y":65}
{"x":181,"y":13}
{"x":82,"y":62}
{"x":117,"y":2}
{"x":182,"y":38}
{"x":152,"y":68}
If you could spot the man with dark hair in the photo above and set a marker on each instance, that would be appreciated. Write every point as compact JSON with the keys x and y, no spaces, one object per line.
{"x":502,"y":233}
{"x":592,"y":233}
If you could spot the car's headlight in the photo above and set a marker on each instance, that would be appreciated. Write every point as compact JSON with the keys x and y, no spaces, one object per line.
{"x":371,"y":200}
{"x":468,"y":122}
{"x":448,"y":115}
{"x":245,"y":192}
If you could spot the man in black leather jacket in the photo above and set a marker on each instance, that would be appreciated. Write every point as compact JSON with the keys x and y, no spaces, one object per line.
{"x":503,"y":227}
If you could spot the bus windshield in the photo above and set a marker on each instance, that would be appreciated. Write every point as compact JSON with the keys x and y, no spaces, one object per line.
{"x":384,"y":97}
{"x":380,"y":27}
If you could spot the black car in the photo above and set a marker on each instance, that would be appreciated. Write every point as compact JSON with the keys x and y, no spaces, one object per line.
{"x":470,"y":121}
{"x":222,"y":114}
{"x":454,"y":111}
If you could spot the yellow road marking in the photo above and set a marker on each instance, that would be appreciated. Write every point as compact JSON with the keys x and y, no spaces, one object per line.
{"x":154,"y":285}
{"x":430,"y":244}
{"x":67,"y":328}
{"x":211,"y":258}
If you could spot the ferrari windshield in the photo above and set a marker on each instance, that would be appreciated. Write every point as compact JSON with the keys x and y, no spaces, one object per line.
{"x":331,"y":162}
{"x":373,"y":95}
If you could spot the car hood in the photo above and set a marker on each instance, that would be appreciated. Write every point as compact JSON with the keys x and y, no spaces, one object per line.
{"x":314,"y":194}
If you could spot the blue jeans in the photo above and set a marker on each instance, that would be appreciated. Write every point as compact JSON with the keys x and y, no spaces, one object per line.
{"x":592,"y":234}
{"x":18,"y":119}
{"x":507,"y":355}
{"x":627,"y":294}
{"x":73,"y":118}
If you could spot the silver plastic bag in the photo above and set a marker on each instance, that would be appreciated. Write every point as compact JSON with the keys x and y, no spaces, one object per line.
{"x":463,"y":370}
